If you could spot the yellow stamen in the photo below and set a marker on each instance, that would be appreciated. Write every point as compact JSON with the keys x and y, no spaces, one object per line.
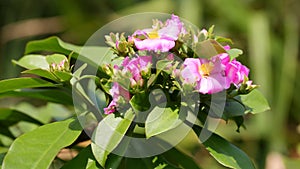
{"x":153,"y":35}
{"x":206,"y":68}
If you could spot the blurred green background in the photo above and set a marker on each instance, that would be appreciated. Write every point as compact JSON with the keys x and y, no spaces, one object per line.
{"x":267,"y":30}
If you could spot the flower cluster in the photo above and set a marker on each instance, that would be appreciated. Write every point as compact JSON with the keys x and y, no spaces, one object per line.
{"x":215,"y":74}
{"x":134,"y":71}
{"x":208,"y":72}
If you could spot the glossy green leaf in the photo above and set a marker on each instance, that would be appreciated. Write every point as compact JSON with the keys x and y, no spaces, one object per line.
{"x":33,"y":62}
{"x":21,"y":83}
{"x":82,"y":160}
{"x":161,"y":119}
{"x":51,"y":95}
{"x":55,"y":58}
{"x":226,"y":153}
{"x":208,"y":49}
{"x":42,"y":73}
{"x":234,"y":53}
{"x":255,"y":102}
{"x":109,"y":134}
{"x":38,"y":148}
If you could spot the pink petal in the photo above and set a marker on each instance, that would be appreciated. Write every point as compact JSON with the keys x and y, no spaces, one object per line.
{"x":190,"y":72}
{"x":210,"y":85}
{"x":162,"y":45}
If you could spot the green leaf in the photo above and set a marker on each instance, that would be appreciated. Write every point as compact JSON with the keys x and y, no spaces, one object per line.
{"x":208,"y":48}
{"x":51,"y":95}
{"x":42,"y":73}
{"x":233,"y":109}
{"x":255,"y":102}
{"x":113,"y":161}
{"x":109,"y":134}
{"x":186,"y":141}
{"x":63,"y":76}
{"x":9,"y":117}
{"x":33,"y":62}
{"x":239,"y":121}
{"x":55,"y":58}
{"x":82,"y":160}
{"x":38,"y":148}
{"x":185,"y":161}
{"x":221,"y":39}
{"x":162,"y":64}
{"x":140,"y":102}
{"x":92,"y":55}
{"x":2,"y":155}
{"x":52,"y":44}
{"x":234,"y":53}
{"x":21,"y":83}
{"x":227,"y":154}
{"x":161,"y":119}
{"x":144,"y":163}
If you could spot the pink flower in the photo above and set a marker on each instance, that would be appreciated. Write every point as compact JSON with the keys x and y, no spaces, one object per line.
{"x":206,"y":74}
{"x":111,"y":108}
{"x":116,"y":92}
{"x":236,"y":72}
{"x":159,"y":39}
{"x":137,"y":67}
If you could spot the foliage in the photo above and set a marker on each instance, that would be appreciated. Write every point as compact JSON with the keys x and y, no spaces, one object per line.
{"x":53,"y":73}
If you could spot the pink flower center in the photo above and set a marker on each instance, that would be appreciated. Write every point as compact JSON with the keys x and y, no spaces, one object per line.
{"x":153,"y":35}
{"x":205,"y":69}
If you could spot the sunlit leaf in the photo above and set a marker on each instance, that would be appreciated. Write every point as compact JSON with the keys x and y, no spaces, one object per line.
{"x":161,"y":119}
{"x":255,"y":101}
{"x":208,"y":49}
{"x":52,"y":44}
{"x":224,"y":152}
{"x":109,"y":134}
{"x":55,"y":58}
{"x":92,"y":55}
{"x":37,"y":149}
{"x":33,"y":62}
{"x":234,"y":53}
